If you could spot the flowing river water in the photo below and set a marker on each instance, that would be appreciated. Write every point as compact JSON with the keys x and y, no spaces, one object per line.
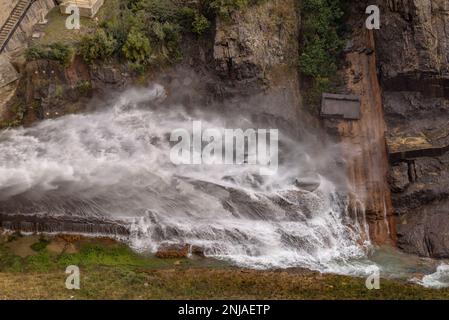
{"x":113,"y":164}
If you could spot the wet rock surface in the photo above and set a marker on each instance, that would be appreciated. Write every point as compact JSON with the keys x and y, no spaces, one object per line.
{"x":426,"y":233}
{"x":36,"y":223}
{"x":413,"y":56}
{"x":50,"y":90}
{"x":362,"y":141}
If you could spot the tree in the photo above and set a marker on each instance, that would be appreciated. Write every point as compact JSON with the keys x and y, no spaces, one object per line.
{"x":97,"y":46}
{"x":137,"y":47}
{"x":200,"y":24}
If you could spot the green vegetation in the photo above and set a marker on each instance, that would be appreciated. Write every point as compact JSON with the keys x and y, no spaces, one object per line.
{"x":224,"y":8}
{"x":40,"y":245}
{"x":57,"y":51}
{"x":44,"y":260}
{"x":140,"y":33}
{"x":110,"y":270}
{"x":97,"y":46}
{"x":143,"y":32}
{"x":84,"y":87}
{"x":200,"y":24}
{"x":17,"y":113}
{"x":137,"y":48}
{"x":56,"y":31}
{"x":50,"y":255}
{"x":147,"y":33}
{"x":322,"y":44}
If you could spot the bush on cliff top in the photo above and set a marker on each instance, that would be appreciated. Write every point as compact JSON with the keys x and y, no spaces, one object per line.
{"x":56,"y":51}
{"x":224,"y":8}
{"x":98,"y":46}
{"x":200,"y":24}
{"x":143,"y":32}
{"x":137,"y":48}
{"x":158,"y":25}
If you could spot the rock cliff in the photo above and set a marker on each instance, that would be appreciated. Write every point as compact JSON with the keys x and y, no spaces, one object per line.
{"x":249,"y":60}
{"x":255,"y":56}
{"x":413,"y":63}
{"x":362,"y":141}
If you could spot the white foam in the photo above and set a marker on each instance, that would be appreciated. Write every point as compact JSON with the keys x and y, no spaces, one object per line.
{"x":437,"y":280}
{"x":115,"y":163}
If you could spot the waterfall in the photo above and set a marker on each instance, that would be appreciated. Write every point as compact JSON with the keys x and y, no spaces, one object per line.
{"x":113,"y":164}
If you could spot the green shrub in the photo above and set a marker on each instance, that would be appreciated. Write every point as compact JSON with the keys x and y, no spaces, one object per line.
{"x":200,"y":24}
{"x":97,"y":46}
{"x":118,"y":27}
{"x":322,"y":44}
{"x":94,"y":254}
{"x":166,"y":37}
{"x":142,"y":32}
{"x":224,"y":8}
{"x":158,"y":10}
{"x":56,"y":51}
{"x":193,"y":20}
{"x":137,"y":68}
{"x":84,"y":87}
{"x":186,"y":16}
{"x":40,"y":245}
{"x":18,"y":113}
{"x":316,"y":61}
{"x":137,"y":48}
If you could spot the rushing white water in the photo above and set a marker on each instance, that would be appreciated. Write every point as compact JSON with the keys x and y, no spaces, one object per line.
{"x":114,"y":164}
{"x":437,"y":280}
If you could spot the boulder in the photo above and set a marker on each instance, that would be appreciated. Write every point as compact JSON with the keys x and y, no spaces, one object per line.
{"x":399,"y":178}
{"x":425,"y":234}
{"x":197,"y":251}
{"x":179,"y":250}
{"x":308,"y":184}
{"x":172,"y":251}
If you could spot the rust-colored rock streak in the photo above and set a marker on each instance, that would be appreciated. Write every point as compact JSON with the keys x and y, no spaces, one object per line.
{"x":365,"y":149}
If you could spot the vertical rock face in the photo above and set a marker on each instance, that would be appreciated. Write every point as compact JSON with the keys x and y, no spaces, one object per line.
{"x":414,"y":38}
{"x":18,"y":41}
{"x":51,"y":90}
{"x":413,"y":60}
{"x":254,"y":43}
{"x":363,"y":140}
{"x":255,"y":54}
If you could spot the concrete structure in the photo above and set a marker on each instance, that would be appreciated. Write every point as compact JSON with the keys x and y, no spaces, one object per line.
{"x":88,"y":8}
{"x":413,"y":147}
{"x":340,"y":106}
{"x":6,"y":7}
{"x":20,"y":21}
{"x":13,"y":21}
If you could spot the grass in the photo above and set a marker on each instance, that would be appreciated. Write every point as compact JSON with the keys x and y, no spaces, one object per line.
{"x":56,"y":31}
{"x":88,"y":253}
{"x":107,"y":282}
{"x":111,"y":270}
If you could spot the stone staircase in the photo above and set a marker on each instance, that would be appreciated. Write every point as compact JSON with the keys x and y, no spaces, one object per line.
{"x":13,"y":21}
{"x":88,"y":8}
